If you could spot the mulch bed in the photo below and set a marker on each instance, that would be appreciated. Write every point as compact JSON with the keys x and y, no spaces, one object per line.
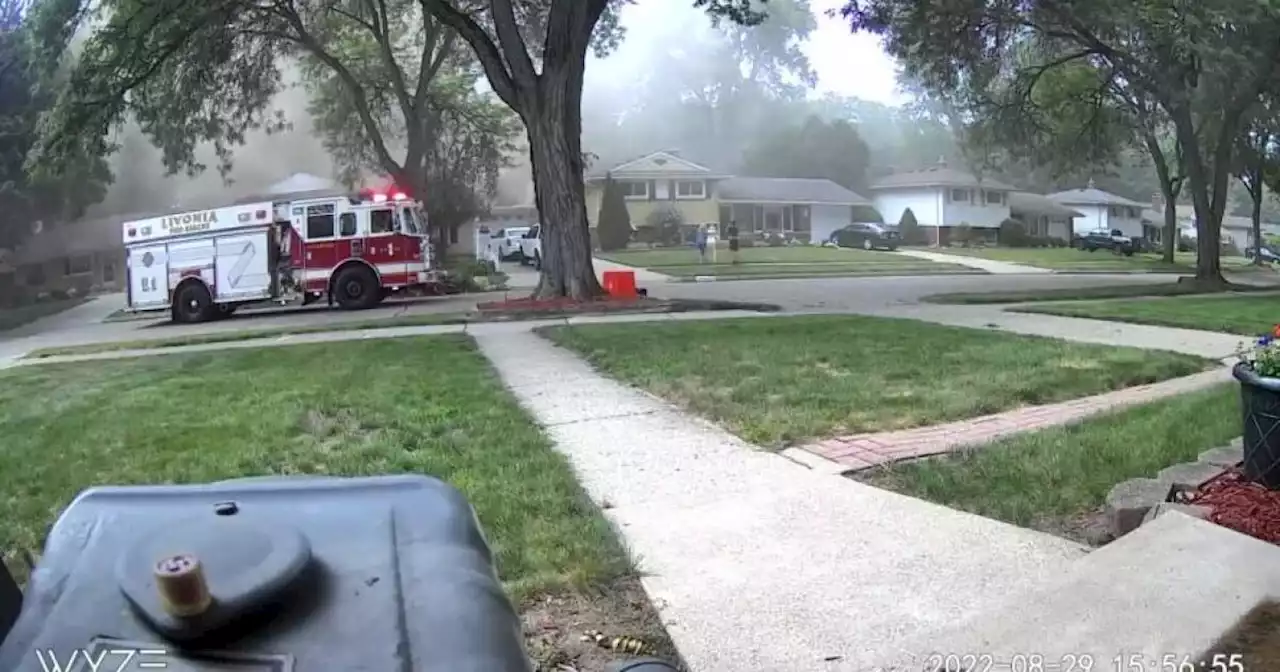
{"x":1239,"y":504}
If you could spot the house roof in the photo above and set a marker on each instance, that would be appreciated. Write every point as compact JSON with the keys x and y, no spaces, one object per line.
{"x":937,"y":176}
{"x":786,"y":190}
{"x":1023,"y":201}
{"x":665,"y":163}
{"x":1091,"y":195}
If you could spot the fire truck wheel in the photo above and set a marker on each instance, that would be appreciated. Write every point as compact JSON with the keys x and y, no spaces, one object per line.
{"x":356,"y":287}
{"x":192,"y":303}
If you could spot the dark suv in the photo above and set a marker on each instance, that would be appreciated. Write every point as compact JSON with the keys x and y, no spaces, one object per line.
{"x":1101,"y":239}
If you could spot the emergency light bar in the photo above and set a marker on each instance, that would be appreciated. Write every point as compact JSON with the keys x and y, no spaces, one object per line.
{"x":383,"y":197}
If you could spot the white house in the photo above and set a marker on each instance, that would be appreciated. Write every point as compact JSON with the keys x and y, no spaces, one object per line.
{"x":1102,"y":210}
{"x":942,"y":198}
{"x":1042,"y":216}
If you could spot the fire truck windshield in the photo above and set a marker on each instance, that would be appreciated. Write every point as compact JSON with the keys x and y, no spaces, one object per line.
{"x":412,"y":223}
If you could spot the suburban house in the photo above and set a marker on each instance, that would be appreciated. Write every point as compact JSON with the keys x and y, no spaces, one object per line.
{"x":806,"y":209}
{"x":498,"y":218}
{"x":1042,"y":216}
{"x":943,"y":198}
{"x":1237,"y":231}
{"x":84,"y":256}
{"x":1102,"y":210}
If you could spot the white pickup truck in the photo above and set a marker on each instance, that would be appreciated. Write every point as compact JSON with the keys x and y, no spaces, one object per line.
{"x":531,"y":247}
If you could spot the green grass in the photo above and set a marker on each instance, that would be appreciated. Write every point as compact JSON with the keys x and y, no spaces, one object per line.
{"x":901,"y":266}
{"x":1067,"y":471}
{"x":12,"y":318}
{"x":234,"y":336}
{"x":1101,"y":261}
{"x":688,"y":256}
{"x":1086,"y":293}
{"x":428,"y":405}
{"x":777,"y":381}
{"x":781,"y":262}
{"x":1246,"y":315}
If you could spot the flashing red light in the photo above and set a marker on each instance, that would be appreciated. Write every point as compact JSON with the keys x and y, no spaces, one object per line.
{"x":399,"y":196}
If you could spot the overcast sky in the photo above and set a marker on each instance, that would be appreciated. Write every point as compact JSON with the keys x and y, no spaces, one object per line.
{"x":846,"y":64}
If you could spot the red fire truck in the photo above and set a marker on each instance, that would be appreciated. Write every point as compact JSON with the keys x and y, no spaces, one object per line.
{"x":296,"y":248}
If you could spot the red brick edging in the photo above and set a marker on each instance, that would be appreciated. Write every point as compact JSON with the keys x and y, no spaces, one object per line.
{"x":863,"y":451}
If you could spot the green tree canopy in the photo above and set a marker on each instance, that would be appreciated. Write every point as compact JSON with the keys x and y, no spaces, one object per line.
{"x":832,"y":150}
{"x":1202,"y":64}
{"x":24,"y":95}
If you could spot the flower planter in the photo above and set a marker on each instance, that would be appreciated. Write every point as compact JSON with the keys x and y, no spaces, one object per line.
{"x":1260,"y":406}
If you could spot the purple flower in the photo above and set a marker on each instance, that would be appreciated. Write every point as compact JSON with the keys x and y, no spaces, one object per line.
{"x":1265,"y":340}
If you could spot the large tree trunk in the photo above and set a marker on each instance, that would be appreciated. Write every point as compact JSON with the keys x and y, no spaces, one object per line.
{"x":554,"y":128}
{"x":1168,"y":193}
{"x":1256,"y":193}
{"x":1207,"y":187}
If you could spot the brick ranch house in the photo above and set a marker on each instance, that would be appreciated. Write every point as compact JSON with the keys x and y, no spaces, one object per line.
{"x":84,"y":256}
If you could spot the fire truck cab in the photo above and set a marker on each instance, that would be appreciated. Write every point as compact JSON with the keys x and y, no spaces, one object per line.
{"x":353,"y":250}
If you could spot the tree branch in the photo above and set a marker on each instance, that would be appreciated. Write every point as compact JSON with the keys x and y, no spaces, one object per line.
{"x":486,"y":51}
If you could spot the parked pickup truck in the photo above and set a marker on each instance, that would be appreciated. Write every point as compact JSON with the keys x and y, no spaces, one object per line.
{"x":1102,"y":239}
{"x":531,"y":248}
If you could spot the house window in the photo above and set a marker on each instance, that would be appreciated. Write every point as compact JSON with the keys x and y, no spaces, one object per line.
{"x":79,"y":265}
{"x":994,"y":197}
{"x":319,"y":222}
{"x":959,"y":195}
{"x":635,"y":190}
{"x":1133,"y":213}
{"x":691,"y":189}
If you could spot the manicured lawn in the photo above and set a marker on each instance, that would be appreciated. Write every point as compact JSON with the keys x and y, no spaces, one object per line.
{"x":688,"y":256}
{"x":12,"y":318}
{"x":1086,"y":293}
{"x":1069,"y":259}
{"x":250,"y":334}
{"x":899,"y":266}
{"x":415,"y":405}
{"x":780,"y":262}
{"x":778,"y":381}
{"x":1246,"y":315}
{"x":1063,"y":472}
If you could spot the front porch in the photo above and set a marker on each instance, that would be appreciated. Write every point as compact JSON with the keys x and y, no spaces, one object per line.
{"x":791,"y":221}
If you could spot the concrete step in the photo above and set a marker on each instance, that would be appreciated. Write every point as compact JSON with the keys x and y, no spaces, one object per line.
{"x":1171,"y":587}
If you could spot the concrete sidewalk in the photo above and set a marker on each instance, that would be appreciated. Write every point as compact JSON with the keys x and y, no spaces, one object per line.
{"x":643,"y":275}
{"x":988,"y":265}
{"x":753,"y":561}
{"x":1208,"y":344}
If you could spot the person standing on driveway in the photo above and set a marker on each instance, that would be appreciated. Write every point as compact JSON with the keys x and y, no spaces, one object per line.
{"x":732,"y":233}
{"x":700,"y":242}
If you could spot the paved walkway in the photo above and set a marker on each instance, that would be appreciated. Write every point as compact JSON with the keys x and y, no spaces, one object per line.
{"x":988,"y":265}
{"x":864,"y":451}
{"x":643,"y":275}
{"x":753,"y":561}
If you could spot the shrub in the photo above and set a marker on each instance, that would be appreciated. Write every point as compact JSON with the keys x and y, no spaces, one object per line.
{"x":1186,"y":244}
{"x":613,"y":225}
{"x":962,"y":235}
{"x":667,"y":223}
{"x":909,"y":229}
{"x":1014,"y":234}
